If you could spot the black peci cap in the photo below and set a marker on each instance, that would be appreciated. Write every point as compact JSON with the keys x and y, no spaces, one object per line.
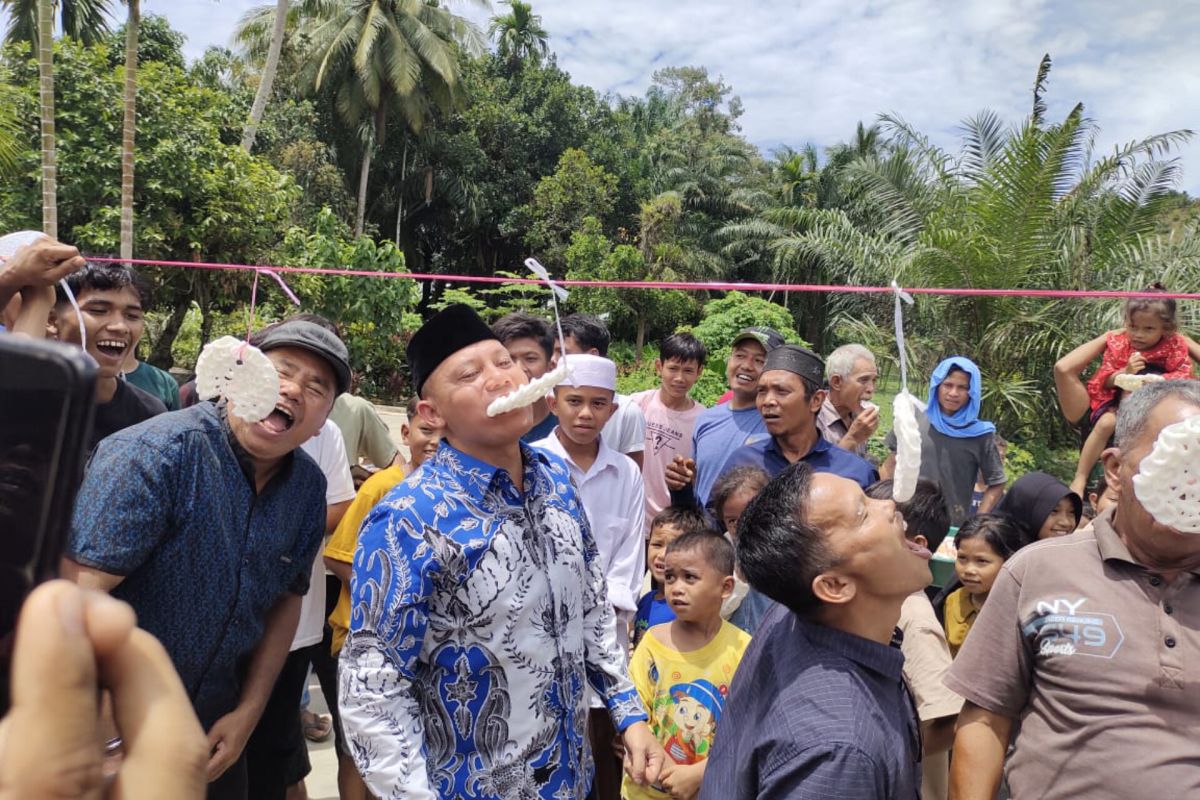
{"x":449,"y":331}
{"x":797,"y":359}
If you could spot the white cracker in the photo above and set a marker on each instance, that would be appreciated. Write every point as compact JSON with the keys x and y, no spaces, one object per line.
{"x":240,"y":373}
{"x":1168,"y":480}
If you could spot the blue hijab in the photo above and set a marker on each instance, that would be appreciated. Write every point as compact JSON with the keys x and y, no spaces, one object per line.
{"x":964,"y":423}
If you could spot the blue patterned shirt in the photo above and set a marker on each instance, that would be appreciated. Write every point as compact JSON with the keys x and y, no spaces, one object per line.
{"x":170,"y":504}
{"x":478,"y":613}
{"x":815,"y":713}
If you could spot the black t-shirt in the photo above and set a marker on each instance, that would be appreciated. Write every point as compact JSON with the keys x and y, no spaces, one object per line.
{"x":129,"y":406}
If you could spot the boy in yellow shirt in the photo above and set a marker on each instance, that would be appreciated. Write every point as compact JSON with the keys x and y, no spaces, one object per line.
{"x":682,"y":669}
{"x":422,"y":441}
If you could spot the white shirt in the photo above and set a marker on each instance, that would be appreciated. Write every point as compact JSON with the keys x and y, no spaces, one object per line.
{"x":328,"y":449}
{"x":625,"y":430}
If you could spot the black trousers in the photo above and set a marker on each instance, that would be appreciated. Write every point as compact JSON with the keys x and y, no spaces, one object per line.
{"x":276,"y":755}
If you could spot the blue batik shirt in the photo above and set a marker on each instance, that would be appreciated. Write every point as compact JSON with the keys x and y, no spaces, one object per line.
{"x":170,"y":505}
{"x":478,"y":613}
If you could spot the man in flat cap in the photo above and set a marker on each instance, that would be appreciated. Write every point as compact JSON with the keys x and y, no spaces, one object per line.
{"x":789,"y":399}
{"x":208,"y":526}
{"x":478,"y":604}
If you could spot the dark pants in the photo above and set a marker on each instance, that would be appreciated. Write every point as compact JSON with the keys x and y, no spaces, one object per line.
{"x":276,"y":756}
{"x":231,"y":785}
{"x":325,"y":664}
{"x":607,"y":783}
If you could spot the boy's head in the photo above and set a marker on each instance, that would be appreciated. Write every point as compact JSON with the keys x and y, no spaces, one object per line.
{"x":459,"y":366}
{"x":698,"y":575}
{"x":585,"y":333}
{"x":528,"y":340}
{"x":671,"y":523}
{"x":112,"y":299}
{"x":584,"y":403}
{"x":926,"y":517}
{"x":681,"y":357}
{"x":420,"y":437}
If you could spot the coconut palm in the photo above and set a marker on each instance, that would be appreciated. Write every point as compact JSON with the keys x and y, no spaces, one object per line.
{"x":85,"y":20}
{"x":519,"y":34}
{"x":279,"y":19}
{"x":380,"y":56}
{"x":129,"y":125}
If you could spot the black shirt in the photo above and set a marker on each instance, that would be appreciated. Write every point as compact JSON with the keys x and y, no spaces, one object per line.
{"x":129,"y":406}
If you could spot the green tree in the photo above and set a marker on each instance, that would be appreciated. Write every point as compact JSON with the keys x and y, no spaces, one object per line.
{"x":267,"y":80}
{"x":577,"y":189}
{"x":519,"y":34}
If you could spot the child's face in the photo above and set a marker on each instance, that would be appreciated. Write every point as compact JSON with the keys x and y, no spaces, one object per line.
{"x":660,"y":537}
{"x":422,"y":440}
{"x":977,"y":565}
{"x":1144,"y":329}
{"x":582,"y":411}
{"x":695,"y":722}
{"x":678,"y":377}
{"x":731,"y":512}
{"x":693,"y":588}
{"x":1061,"y":520}
{"x":113,"y":320}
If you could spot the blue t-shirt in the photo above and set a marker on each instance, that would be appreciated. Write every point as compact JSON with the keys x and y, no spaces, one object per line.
{"x":824,"y":457}
{"x":719,"y":432}
{"x":171,"y":505}
{"x":753,"y":608}
{"x":651,"y":611}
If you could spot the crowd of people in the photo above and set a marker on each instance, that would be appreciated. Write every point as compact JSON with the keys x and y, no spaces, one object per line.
{"x":609,"y":596}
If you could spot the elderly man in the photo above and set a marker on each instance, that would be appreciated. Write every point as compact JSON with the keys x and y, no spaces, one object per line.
{"x":818,"y":707}
{"x":844,"y":420}
{"x":1092,"y":641}
{"x":789,"y":398}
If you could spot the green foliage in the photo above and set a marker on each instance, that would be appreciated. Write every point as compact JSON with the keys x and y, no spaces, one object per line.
{"x":493,"y":301}
{"x":578,"y":189}
{"x":375,"y":314}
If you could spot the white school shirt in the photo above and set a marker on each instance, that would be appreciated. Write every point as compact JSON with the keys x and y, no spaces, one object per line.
{"x":614,"y":500}
{"x":328,"y":449}
{"x":625,"y":430}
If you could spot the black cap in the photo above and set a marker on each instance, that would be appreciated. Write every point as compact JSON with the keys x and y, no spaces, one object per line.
{"x":313,"y":338}
{"x":796,"y":359}
{"x":767,"y":337}
{"x":449,"y":331}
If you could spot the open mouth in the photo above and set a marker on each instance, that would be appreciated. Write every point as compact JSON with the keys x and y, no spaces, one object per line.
{"x":918,"y":550}
{"x":280,"y":420}
{"x":743,"y":377}
{"x":113,"y":348}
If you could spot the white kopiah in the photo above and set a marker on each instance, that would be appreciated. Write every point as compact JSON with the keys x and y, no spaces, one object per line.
{"x":908,"y":447}
{"x":1168,"y":480}
{"x":240,"y":373}
{"x":531,"y":392}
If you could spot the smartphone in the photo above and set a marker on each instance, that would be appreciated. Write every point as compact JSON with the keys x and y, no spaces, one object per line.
{"x":47,"y":392}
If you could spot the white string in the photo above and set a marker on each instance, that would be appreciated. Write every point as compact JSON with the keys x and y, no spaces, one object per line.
{"x":900,"y":294}
{"x":78,"y":313}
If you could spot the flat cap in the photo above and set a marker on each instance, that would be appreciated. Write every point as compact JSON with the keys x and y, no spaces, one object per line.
{"x":311,"y":337}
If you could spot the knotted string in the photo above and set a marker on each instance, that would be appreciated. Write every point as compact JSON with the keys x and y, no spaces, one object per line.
{"x":556,"y":293}
{"x":254,"y":302}
{"x":901,"y":295}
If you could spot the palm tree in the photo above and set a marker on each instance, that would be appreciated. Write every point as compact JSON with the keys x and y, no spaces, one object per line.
{"x":279,"y":23}
{"x":519,"y":34}
{"x":384,"y":55}
{"x":129,"y":126}
{"x":33,"y":21}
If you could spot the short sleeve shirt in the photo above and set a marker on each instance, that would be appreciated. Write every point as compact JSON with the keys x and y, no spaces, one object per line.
{"x":157,"y":382}
{"x":720,"y":431}
{"x":170,"y":505}
{"x":823,"y":457}
{"x":668,"y":434}
{"x":129,"y":406}
{"x":625,"y":430}
{"x":1099,"y":658}
{"x":955,"y":463}
{"x":363,"y":431}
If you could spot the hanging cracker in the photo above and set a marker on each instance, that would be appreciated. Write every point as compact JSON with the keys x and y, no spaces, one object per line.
{"x":1168,"y":480}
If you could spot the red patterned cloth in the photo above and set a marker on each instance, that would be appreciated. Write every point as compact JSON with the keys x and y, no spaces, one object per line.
{"x":1170,"y":355}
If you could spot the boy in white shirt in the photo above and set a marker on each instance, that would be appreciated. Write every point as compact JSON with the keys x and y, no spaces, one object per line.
{"x":613,"y":498}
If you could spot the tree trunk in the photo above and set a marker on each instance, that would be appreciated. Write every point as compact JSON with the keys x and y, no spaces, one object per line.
{"x":377,"y":138}
{"x":268,"y":76}
{"x":160,"y":355}
{"x":130,"y":126}
{"x":641,"y":336}
{"x":46,"y":94}
{"x":400,"y":193}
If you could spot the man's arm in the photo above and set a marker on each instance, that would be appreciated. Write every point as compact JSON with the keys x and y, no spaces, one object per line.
{"x":228,"y":735}
{"x":937,"y":735}
{"x":333,"y":515}
{"x":979,"y":747}
{"x":339,"y":568}
{"x":991,"y":497}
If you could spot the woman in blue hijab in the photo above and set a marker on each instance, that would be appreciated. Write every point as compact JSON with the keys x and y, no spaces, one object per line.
{"x":956,"y":445}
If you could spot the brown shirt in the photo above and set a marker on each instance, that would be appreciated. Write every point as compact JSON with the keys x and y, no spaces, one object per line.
{"x":926,"y":660}
{"x":832,"y":428}
{"x":1099,"y":658}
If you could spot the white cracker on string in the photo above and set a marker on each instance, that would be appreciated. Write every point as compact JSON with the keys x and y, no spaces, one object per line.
{"x":908,"y":447}
{"x":1130,"y":383}
{"x":1168,"y":479}
{"x":538,"y":388}
{"x":242,"y":374}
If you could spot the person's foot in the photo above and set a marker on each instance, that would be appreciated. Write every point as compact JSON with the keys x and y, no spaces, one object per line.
{"x":317,"y":727}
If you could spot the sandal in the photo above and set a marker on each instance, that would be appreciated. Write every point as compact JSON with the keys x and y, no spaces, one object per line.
{"x":316,"y":727}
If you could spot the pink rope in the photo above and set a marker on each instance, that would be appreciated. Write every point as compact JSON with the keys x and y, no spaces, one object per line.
{"x":693,"y":285}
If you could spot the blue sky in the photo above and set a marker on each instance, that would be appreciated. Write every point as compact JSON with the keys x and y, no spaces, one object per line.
{"x":808,"y":71}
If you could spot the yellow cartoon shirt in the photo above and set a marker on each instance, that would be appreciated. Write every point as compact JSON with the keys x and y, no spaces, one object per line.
{"x":684,"y":695}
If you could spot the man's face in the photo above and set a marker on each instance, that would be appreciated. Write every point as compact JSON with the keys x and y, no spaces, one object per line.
{"x":530,"y":356}
{"x":868,"y":539}
{"x":678,"y":377}
{"x":784,"y":403}
{"x":744,"y":367}
{"x":422,"y":440}
{"x":954,"y":392}
{"x":113,"y":320}
{"x":1153,"y":544}
{"x":582,"y":411}
{"x":307,"y":389}
{"x":849,"y":391}
{"x":693,"y":588}
{"x":459,"y":391}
